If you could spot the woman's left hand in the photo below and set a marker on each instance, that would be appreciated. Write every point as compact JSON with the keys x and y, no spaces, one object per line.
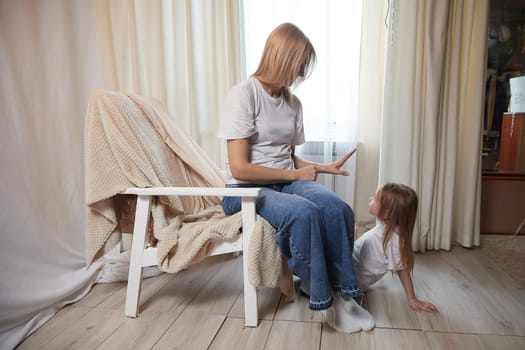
{"x":335,"y":167}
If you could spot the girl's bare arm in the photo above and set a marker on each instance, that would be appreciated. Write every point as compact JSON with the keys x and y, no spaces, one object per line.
{"x":416,"y":304}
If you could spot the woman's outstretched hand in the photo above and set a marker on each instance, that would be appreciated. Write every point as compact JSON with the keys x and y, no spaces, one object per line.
{"x":309,"y":171}
{"x":335,"y":167}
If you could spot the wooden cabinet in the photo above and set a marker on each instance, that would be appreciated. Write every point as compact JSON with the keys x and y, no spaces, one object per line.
{"x":502,"y":203}
{"x":512,"y":146}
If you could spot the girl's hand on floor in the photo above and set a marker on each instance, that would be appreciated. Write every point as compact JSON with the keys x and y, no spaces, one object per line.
{"x":420,"y":305}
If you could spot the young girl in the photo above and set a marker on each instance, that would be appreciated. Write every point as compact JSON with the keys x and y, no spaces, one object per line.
{"x":388,"y":246}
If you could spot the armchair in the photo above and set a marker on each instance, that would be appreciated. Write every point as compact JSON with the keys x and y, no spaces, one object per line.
{"x":133,"y":147}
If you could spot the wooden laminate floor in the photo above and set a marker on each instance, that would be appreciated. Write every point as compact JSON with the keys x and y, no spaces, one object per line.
{"x":481,"y":307}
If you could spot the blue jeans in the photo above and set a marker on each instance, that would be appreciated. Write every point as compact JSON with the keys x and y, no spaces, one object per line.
{"x":315,"y":230}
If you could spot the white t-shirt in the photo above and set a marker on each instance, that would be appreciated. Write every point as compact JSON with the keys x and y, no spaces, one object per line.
{"x":270,"y":124}
{"x":371,"y":262}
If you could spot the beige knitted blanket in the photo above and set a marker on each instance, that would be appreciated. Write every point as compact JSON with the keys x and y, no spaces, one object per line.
{"x":131,"y":141}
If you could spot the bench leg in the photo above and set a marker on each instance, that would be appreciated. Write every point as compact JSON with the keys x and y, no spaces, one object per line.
{"x":137,"y":251}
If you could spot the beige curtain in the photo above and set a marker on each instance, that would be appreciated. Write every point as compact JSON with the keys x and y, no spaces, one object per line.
{"x":371,"y":84}
{"x":184,"y":53}
{"x":49,"y":66}
{"x":432,"y":114}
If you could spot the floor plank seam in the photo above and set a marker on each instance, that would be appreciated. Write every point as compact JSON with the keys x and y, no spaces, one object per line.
{"x":166,"y":331}
{"x":217,"y":332}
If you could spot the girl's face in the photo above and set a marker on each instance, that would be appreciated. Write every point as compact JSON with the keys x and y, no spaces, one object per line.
{"x":373,"y":203}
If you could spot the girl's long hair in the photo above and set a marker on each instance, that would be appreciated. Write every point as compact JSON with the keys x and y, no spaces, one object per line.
{"x":397,"y":210}
{"x":288,"y":56}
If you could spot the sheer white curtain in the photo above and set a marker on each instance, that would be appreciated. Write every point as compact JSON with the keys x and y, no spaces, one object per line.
{"x":329,"y":96}
{"x":433,"y":112}
{"x":184,"y":53}
{"x":49,"y":65}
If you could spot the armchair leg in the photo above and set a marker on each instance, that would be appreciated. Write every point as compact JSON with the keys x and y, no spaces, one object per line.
{"x":142,"y":215}
{"x":250,"y":292}
{"x":137,"y":251}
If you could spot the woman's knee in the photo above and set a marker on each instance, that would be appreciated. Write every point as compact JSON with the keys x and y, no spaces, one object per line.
{"x":337,"y":207}
{"x":307,"y":211}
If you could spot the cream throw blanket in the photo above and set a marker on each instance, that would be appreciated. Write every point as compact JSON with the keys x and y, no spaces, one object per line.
{"x":131,"y":141}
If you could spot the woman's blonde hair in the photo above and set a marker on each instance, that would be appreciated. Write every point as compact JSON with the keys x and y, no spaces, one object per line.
{"x":288,"y":56}
{"x":397,"y":210}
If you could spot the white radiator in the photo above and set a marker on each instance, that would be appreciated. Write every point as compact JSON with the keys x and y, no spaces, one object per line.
{"x":328,"y":152}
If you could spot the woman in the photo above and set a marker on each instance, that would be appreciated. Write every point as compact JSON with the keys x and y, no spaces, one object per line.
{"x":262,"y":123}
